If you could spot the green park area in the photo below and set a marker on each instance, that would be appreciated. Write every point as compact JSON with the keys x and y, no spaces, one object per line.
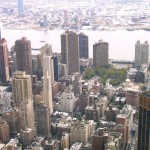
{"x":116,"y":76}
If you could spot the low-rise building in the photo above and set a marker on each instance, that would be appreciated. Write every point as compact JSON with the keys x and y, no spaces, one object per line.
{"x":65,"y":141}
{"x":27,"y":136}
{"x":76,"y":146}
{"x":81,"y":131}
{"x":4,"y":131}
{"x":13,"y":118}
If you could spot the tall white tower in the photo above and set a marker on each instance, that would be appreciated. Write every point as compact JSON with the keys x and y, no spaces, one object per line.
{"x":48,"y":66}
{"x":48,"y":79}
{"x":141,"y":53}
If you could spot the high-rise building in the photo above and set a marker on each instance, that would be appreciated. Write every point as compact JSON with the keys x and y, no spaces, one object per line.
{"x":20,"y":7}
{"x":70,"y":51}
{"x":48,"y":65}
{"x":83,"y":46}
{"x":22,"y":97}
{"x":144,"y":122}
{"x":23,"y":55}
{"x":100,"y":53}
{"x":141,"y":53}
{"x":55,"y":60}
{"x":4,"y":63}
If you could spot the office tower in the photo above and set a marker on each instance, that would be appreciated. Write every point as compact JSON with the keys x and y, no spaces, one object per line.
{"x":70,"y":51}
{"x":100,"y":53}
{"x":141,"y":53}
{"x":4,"y":63}
{"x":23,"y":55}
{"x":20,"y":7}
{"x":55,"y":60}
{"x":144,"y":122}
{"x":83,"y":46}
{"x":22,"y":97}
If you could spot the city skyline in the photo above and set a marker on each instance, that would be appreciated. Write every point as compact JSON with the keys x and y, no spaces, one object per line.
{"x":74,"y":75}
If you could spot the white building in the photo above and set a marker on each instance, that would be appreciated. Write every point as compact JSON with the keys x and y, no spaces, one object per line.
{"x":67,"y":102}
{"x":141,"y":53}
{"x":48,"y":77}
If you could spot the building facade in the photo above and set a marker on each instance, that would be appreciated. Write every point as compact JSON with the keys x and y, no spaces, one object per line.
{"x":4,"y":63}
{"x":22,"y":97}
{"x":100,"y":53}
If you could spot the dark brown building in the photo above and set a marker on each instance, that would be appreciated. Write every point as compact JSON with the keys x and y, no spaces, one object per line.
{"x":13,"y":118}
{"x":23,"y":55}
{"x":111,"y":114}
{"x":144,"y":122}
{"x":4,"y":63}
{"x":70,"y":51}
{"x":98,"y":140}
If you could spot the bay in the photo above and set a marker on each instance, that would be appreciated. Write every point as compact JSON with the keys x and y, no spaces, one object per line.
{"x":121,"y":42}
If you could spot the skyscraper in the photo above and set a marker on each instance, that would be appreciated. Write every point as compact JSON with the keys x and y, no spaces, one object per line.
{"x":22,"y":97}
{"x":83,"y":45}
{"x":55,"y":60}
{"x":141,"y":53}
{"x":70,"y":51}
{"x":20,"y":7}
{"x":48,"y":65}
{"x":4,"y":63}
{"x":144,"y":122}
{"x":23,"y":55}
{"x":48,"y":79}
{"x":100,"y":53}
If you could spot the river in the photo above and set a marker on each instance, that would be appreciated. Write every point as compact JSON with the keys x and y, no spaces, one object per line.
{"x":121,"y":42}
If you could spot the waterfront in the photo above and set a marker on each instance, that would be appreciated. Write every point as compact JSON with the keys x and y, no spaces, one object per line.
{"x":121,"y":42}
